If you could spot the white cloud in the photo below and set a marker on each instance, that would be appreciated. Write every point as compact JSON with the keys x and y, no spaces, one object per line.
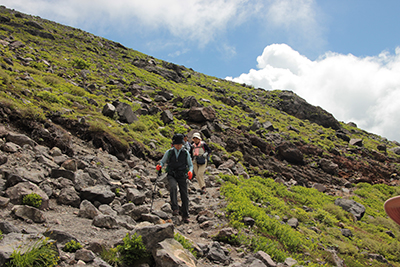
{"x":198,"y":21}
{"x":195,"y":20}
{"x":362,"y":90}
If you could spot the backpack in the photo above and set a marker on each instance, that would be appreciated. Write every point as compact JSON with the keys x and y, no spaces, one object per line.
{"x":204,"y":149}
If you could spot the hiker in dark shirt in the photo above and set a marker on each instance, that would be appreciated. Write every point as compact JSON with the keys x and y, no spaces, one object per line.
{"x":186,"y":144}
{"x":179,"y":168}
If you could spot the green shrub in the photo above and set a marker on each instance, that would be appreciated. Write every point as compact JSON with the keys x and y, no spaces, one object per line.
{"x":72,"y":246}
{"x":40,"y":254}
{"x":32,"y":199}
{"x":238,"y":154}
{"x":185,"y":243}
{"x":118,"y":191}
{"x":49,"y":97}
{"x":132,"y":250}
{"x":80,"y":64}
{"x":111,"y":256}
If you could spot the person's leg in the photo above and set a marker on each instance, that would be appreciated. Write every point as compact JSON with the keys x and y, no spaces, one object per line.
{"x":195,"y":167}
{"x":183,"y":190}
{"x":173,"y":193}
{"x":200,"y":175}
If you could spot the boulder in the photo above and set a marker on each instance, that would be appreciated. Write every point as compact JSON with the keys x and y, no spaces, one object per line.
{"x":125,"y":112}
{"x":167,"y":117}
{"x":201,"y":114}
{"x":265,"y":258}
{"x":69,"y":196}
{"x":152,"y":235}
{"x":17,"y":192}
{"x":102,"y":194}
{"x":328,"y":166}
{"x":20,"y":139}
{"x":28,"y":213}
{"x":355,"y":208}
{"x":105,"y":221}
{"x":290,"y":153}
{"x":108,"y":110}
{"x":170,"y":252}
{"x":87,"y":210}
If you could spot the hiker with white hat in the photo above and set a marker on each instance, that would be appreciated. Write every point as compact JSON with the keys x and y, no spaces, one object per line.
{"x":200,"y":152}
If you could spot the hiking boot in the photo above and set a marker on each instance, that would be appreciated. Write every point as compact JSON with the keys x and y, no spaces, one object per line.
{"x":175,"y":213}
{"x":185,"y":219}
{"x":203,"y":191}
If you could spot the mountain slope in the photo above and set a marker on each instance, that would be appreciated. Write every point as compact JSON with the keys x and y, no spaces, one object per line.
{"x":57,"y":81}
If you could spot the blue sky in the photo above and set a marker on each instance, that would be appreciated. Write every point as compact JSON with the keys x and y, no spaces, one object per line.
{"x":342,"y":55}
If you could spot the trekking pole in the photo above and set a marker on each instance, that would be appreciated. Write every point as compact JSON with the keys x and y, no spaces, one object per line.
{"x":154,"y":190}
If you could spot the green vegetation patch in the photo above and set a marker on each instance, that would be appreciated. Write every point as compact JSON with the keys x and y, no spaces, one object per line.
{"x":320,"y":222}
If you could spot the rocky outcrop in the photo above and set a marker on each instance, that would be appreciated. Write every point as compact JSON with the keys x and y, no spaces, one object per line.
{"x":294,"y":105}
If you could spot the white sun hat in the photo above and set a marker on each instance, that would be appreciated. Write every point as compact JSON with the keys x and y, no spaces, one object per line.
{"x":197,"y":135}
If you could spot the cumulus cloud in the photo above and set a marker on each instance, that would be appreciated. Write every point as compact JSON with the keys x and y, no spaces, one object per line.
{"x":199,"y":20}
{"x":362,"y":90}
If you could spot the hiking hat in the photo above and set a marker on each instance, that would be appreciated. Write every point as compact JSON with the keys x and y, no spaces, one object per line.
{"x":392,"y":208}
{"x":196,"y":135}
{"x":177,"y":139}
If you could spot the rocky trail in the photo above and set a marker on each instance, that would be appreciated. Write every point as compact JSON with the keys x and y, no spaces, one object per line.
{"x":102,"y":222}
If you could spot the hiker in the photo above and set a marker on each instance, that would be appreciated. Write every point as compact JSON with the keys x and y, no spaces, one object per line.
{"x":187,"y":144}
{"x":179,"y":168}
{"x":200,"y":152}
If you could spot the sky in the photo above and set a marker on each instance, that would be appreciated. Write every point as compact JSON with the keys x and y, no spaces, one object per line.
{"x":341,"y":55}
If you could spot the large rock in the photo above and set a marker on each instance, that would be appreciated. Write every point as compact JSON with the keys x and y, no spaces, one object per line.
{"x":102,"y":194}
{"x":328,"y":166}
{"x":217,"y":254}
{"x":18,"y":191}
{"x":167,"y":117}
{"x":135,"y":196}
{"x":170,"y":253}
{"x":56,"y":173}
{"x":152,"y":235}
{"x":18,"y":242}
{"x":61,"y":237}
{"x":355,"y":208}
{"x":290,"y":153}
{"x":87,"y":210}
{"x":200,"y":114}
{"x":294,"y":105}
{"x":108,"y":110}
{"x":28,"y":213}
{"x":105,"y":221}
{"x":20,"y":139}
{"x":125,"y":112}
{"x":265,"y":258}
{"x":69,"y":196}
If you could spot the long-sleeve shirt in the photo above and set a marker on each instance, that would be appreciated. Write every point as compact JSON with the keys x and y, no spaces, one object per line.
{"x":165,"y":158}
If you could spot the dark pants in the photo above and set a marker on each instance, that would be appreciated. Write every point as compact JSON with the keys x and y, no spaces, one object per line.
{"x":174,"y":181}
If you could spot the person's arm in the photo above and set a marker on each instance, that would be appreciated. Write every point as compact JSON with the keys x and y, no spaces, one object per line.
{"x":189,"y":161}
{"x":207,"y":148}
{"x":164,"y":158}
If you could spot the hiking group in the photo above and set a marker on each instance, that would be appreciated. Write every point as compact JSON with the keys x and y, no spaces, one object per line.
{"x":181,"y":160}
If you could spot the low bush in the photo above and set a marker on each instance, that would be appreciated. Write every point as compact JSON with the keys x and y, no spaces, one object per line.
{"x":72,"y":246}
{"x":185,"y":243}
{"x":40,"y":254}
{"x":132,"y":250}
{"x":32,"y":199}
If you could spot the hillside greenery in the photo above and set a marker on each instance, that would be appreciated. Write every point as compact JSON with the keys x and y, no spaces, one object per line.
{"x":320,"y":223}
{"x":50,"y":76}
